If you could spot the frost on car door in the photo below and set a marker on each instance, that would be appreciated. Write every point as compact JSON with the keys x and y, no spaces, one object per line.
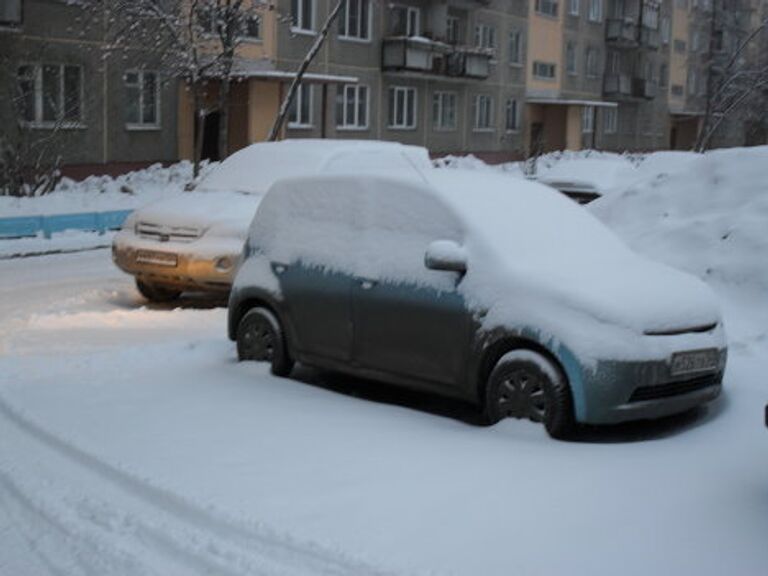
{"x":407,"y":320}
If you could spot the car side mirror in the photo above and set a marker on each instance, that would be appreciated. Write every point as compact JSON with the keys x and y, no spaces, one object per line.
{"x":446,"y":255}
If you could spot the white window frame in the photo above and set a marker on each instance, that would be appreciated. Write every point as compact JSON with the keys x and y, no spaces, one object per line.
{"x":483,"y":106}
{"x":537,"y":67}
{"x":412,"y":21}
{"x":516,"y":38}
{"x":610,"y":120}
{"x":296,"y":106}
{"x":439,"y":107}
{"x":37,"y":92}
{"x":410,"y":95}
{"x":595,"y":13}
{"x":587,"y":119}
{"x":485,"y":36}
{"x":513,"y":106}
{"x":452,"y":32}
{"x":353,"y":124}
{"x":345,"y":24}
{"x":141,"y":125}
{"x":571,"y":59}
{"x":591,"y":64}
{"x":574,"y":7}
{"x":300,"y":26}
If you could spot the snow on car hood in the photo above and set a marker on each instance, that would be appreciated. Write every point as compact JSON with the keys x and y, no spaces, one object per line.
{"x":223,"y":212}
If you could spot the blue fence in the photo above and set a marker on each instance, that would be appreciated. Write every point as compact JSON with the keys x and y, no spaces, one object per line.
{"x":21,"y":226}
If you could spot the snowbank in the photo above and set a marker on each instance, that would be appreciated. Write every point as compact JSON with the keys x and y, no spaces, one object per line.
{"x":102,"y":193}
{"x":706,"y":214}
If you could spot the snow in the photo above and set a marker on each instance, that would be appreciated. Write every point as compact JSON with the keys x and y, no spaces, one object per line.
{"x":67,"y":241}
{"x":132,"y":442}
{"x":603,"y":174}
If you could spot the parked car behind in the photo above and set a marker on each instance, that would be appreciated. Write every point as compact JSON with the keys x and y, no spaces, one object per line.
{"x":517,"y":300}
{"x":587,"y":179}
{"x":194,"y":241}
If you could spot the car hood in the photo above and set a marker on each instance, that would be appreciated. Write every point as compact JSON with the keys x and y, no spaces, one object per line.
{"x":643,"y":295}
{"x":225,"y":212}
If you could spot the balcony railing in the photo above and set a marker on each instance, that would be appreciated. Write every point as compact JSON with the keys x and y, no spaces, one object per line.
{"x":404,"y":54}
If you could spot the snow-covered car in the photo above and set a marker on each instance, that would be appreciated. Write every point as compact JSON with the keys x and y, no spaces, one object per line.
{"x":517,"y":300}
{"x":194,"y":241}
{"x":587,"y":179}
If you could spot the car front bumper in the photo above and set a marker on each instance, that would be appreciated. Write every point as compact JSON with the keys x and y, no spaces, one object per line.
{"x":187,"y":268}
{"x":622,"y":391}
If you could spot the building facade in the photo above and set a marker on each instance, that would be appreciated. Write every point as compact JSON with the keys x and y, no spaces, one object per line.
{"x":502,"y":79}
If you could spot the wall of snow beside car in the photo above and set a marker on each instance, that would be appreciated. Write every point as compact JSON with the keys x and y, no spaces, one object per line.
{"x":707,"y":214}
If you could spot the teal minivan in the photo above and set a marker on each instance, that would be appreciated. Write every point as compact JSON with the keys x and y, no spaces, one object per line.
{"x":474,"y":285}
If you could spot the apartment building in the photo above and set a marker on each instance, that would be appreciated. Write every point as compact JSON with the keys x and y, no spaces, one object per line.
{"x":63,"y":97}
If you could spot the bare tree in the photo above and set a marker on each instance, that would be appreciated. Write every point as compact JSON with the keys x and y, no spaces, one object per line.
{"x":736,"y":67}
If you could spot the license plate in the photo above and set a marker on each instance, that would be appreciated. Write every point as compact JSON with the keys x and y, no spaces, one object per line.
{"x":156,"y":258}
{"x":694,"y":361}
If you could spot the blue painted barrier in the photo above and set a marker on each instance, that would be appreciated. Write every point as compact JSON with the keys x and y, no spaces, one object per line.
{"x":21,"y":226}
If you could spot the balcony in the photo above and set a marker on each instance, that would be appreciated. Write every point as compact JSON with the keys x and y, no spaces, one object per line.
{"x":642,"y":88}
{"x":650,"y":38}
{"x":619,"y":32}
{"x":421,"y":55}
{"x":617,"y":86}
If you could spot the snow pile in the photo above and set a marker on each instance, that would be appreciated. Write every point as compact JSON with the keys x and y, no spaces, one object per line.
{"x":707,"y":214}
{"x":471,"y":162}
{"x":606,"y":173}
{"x":104,"y":193}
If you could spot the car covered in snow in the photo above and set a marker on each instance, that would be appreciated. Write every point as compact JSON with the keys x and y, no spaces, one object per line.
{"x":448,"y":281}
{"x":587,"y":179}
{"x":193,"y":241}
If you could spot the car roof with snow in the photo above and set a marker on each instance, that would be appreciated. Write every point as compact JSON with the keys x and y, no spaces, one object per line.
{"x":255,"y":168}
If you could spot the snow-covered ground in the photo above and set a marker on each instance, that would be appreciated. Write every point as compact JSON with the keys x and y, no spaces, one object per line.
{"x":132,"y":442}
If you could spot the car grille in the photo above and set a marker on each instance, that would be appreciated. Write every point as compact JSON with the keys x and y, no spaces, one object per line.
{"x":163,"y":233}
{"x":674,"y":388}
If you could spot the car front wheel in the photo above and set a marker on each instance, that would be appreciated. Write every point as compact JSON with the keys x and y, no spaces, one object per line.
{"x":525,"y":384}
{"x":260,"y":337}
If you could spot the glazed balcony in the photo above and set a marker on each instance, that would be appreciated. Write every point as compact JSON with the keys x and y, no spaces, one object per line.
{"x":620,"y":32}
{"x":424,"y":56}
{"x":617,"y":86}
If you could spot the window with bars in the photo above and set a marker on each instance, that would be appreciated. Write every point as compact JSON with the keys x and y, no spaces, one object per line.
{"x":352,"y":107}
{"x":142,"y":93}
{"x":300,"y":113}
{"x":354,"y":20}
{"x":402,"y":108}
{"x":444,"y":111}
{"x":50,"y":93}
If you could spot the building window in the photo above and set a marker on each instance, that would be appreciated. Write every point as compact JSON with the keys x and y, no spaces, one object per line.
{"x":570,"y":59}
{"x":543,"y":70}
{"x":402,"y":108}
{"x":679,"y":46}
{"x":142,"y":91}
{"x":485,"y":36}
{"x":588,"y":119}
{"x":516,"y":47}
{"x":663,"y":75}
{"x":444,"y":111}
{"x":695,"y":41}
{"x":50,"y":93}
{"x":352,"y":107}
{"x":354,"y":20}
{"x":512,"y":120}
{"x":10,"y":13}
{"x":610,"y":120}
{"x":547,"y":7}
{"x":573,"y":7}
{"x":303,"y":14}
{"x":251,"y":28}
{"x":614,"y":62}
{"x":595,"y":10}
{"x":677,"y":90}
{"x":405,"y":21}
{"x":300,"y":114}
{"x":452,"y":35}
{"x":665,"y":29}
{"x":591,"y":63}
{"x":483,"y":112}
{"x":692,"y":82}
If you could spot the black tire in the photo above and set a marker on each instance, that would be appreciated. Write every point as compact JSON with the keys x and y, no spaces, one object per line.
{"x":260,"y":337}
{"x":157,"y":293}
{"x":525,"y":384}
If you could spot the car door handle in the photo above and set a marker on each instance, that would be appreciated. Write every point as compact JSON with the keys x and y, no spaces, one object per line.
{"x":367,"y":284}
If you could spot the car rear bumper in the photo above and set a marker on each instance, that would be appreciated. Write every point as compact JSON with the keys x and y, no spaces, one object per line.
{"x":184,"y":268}
{"x":623,"y":391}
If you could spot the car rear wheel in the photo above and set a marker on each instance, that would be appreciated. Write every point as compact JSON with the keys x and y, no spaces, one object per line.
{"x":157,"y":293}
{"x":260,"y":337}
{"x":525,"y":384}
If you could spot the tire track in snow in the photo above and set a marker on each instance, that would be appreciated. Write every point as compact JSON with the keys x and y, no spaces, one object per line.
{"x":165,"y":528}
